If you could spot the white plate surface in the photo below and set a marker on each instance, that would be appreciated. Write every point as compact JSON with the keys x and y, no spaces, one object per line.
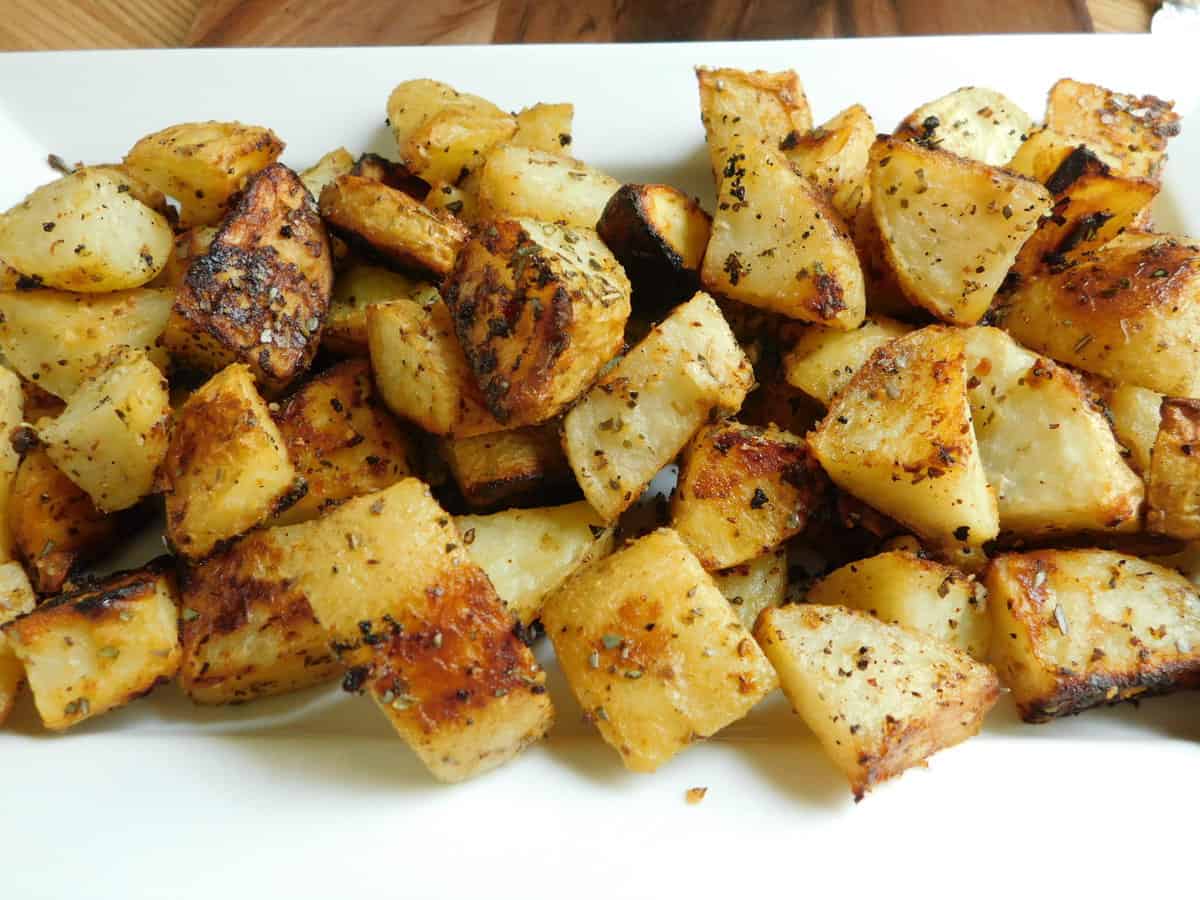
{"x":312,"y":795}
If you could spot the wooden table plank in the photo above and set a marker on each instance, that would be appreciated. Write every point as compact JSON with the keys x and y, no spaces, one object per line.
{"x":87,"y":24}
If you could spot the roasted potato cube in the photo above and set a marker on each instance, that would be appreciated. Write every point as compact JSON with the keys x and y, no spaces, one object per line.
{"x":189,"y":246}
{"x":260,"y":294}
{"x":539,"y":310}
{"x":658,"y":234}
{"x":899,"y":437}
{"x":977,"y":123}
{"x":1132,"y":131}
{"x":1129,"y":311}
{"x":55,"y":339}
{"x":100,"y":647}
{"x":1172,"y":482}
{"x":392,"y":224}
{"x":16,"y":599}
{"x":203,"y":165}
{"x":905,"y":589}
{"x":750,"y":109}
{"x":353,"y":291}
{"x":11,"y":415}
{"x":528,"y":553}
{"x":505,"y":466}
{"x":227,"y":467}
{"x":834,"y":158}
{"x":755,"y":585}
{"x":777,"y":244}
{"x":421,"y":627}
{"x":443,"y":133}
{"x":822,"y":362}
{"x":341,"y":440}
{"x":1074,"y":629}
{"x":951,"y":227}
{"x":880,"y":698}
{"x":743,"y":491}
{"x":1134,"y":413}
{"x":653,"y":651}
{"x":545,"y":126}
{"x":86,"y":232}
{"x":53,"y":523}
{"x":460,"y":202}
{"x":1047,"y":450}
{"x":521,"y":182}
{"x":246,"y":631}
{"x":647,"y":407}
{"x":421,"y":371}
{"x":327,"y":170}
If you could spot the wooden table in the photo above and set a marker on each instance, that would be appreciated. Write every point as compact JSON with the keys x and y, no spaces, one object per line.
{"x":75,"y":24}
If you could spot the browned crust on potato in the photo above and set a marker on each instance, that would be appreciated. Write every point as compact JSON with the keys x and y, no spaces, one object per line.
{"x":395,"y":175}
{"x":1173,"y":483}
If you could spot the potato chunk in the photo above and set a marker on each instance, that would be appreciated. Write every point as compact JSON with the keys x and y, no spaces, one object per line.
{"x":341,"y":440}
{"x":1077,"y":628}
{"x":899,"y":437}
{"x":11,"y":415}
{"x":246,"y":631}
{"x":54,"y":524}
{"x":977,"y":123}
{"x":521,"y":182}
{"x":545,"y":126}
{"x":227,"y":466}
{"x":16,"y":599}
{"x":326,"y":170}
{"x":354,"y":290}
{"x":94,"y":650}
{"x":906,"y":589}
{"x":86,"y":232}
{"x":951,"y":227}
{"x":528,"y":553}
{"x":421,"y":371}
{"x":743,"y":491}
{"x":55,"y":339}
{"x":653,"y":652}
{"x":1173,"y":481}
{"x":880,"y":698}
{"x":539,"y":310}
{"x":507,"y":466}
{"x":1134,"y":413}
{"x":112,"y":436}
{"x":189,"y":246}
{"x":421,"y":627}
{"x":822,"y":362}
{"x":647,"y":407}
{"x":776,"y":244}
{"x":834,"y":158}
{"x":203,"y":164}
{"x":260,"y":294}
{"x":755,"y":585}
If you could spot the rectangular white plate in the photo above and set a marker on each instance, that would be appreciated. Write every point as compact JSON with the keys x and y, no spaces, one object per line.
{"x":312,"y":795}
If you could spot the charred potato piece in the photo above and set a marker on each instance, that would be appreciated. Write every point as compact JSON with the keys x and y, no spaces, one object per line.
{"x":341,"y":440}
{"x":54,"y":524}
{"x":96,"y":649}
{"x":743,"y":491}
{"x":653,"y":651}
{"x":353,"y":291}
{"x":12,"y":403}
{"x":203,"y":165}
{"x":755,"y":585}
{"x":1129,"y":311}
{"x":16,"y":599}
{"x":1173,"y":485}
{"x":658,"y":234}
{"x":977,"y":123}
{"x":189,"y":246}
{"x":227,"y":467}
{"x":539,"y":310}
{"x":545,"y":126}
{"x":822,"y":362}
{"x":834,"y":158}
{"x":1078,"y":628}
{"x":880,"y":698}
{"x":506,"y":466}
{"x":521,"y":182}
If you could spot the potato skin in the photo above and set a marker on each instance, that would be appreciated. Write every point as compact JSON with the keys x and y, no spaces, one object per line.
{"x":261,"y":292}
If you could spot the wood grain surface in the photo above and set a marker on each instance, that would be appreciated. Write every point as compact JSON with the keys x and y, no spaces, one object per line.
{"x":83,"y":24}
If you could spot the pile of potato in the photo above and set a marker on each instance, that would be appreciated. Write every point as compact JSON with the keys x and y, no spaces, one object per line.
{"x":398,"y":418}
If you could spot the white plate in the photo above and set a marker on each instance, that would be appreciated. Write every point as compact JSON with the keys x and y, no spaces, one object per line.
{"x":312,"y":795}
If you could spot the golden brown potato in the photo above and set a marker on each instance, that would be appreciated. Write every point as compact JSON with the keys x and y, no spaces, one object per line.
{"x":658,"y":234}
{"x":392,"y":224}
{"x":189,"y":246}
{"x":1077,"y":628}
{"x":545,"y":126}
{"x":822,"y":362}
{"x":203,"y":164}
{"x":778,"y":245}
{"x":1129,"y":311}
{"x":12,"y":403}
{"x":521,"y":182}
{"x":653,"y":651}
{"x":743,"y":491}
{"x":421,"y":371}
{"x":951,"y":227}
{"x":458,"y":200}
{"x":539,"y":310}
{"x":503,"y":467}
{"x":1044,"y":150}
{"x":885,"y":297}
{"x":374,"y":167}
{"x":260,"y":294}
{"x":1132,"y":131}
{"x":326,"y":170}
{"x":880,"y":698}
{"x":834,"y":158}
{"x":646,"y":408}
{"x":354,"y":290}
{"x":1173,"y":480}
{"x":227,"y":467}
{"x":977,"y":123}
{"x":742,"y":109}
{"x":98,"y":648}
{"x":755,"y":585}
{"x":1134,"y":414}
{"x":54,"y":524}
{"x":86,"y":232}
{"x":16,"y":599}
